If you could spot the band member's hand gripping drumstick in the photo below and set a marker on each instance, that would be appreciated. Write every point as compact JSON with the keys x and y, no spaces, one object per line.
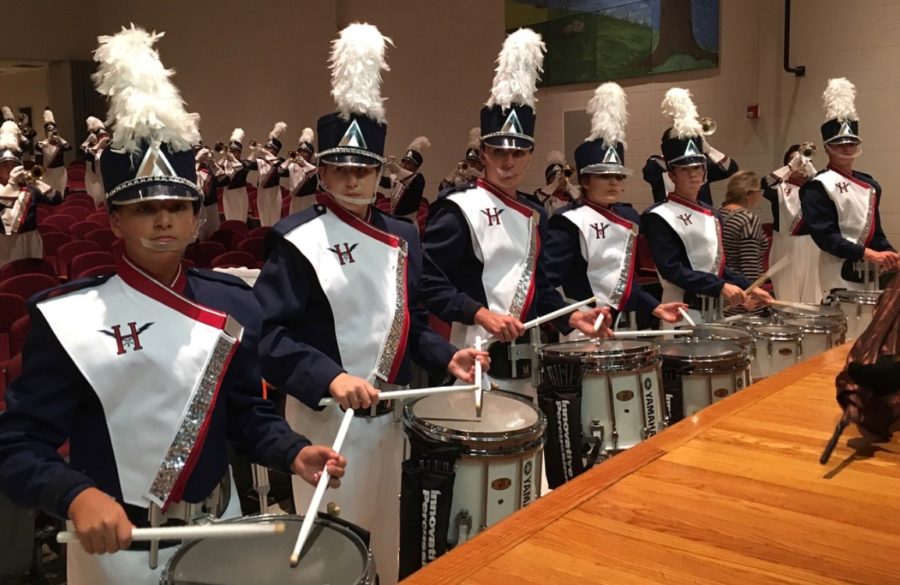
{"x":415,"y":393}
{"x":551,"y":316}
{"x":313,"y":509}
{"x":479,"y":392}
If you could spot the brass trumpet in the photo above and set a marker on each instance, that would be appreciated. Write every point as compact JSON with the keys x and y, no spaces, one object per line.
{"x":219,"y":147}
{"x":808,"y":150}
{"x":708,"y":126}
{"x":32,"y":175}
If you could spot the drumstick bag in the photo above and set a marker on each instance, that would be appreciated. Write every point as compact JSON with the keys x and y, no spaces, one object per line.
{"x":562,"y":451}
{"x":426,"y":494}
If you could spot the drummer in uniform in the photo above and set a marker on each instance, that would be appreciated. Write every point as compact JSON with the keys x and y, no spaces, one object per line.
{"x":592,"y":244}
{"x":484,"y":267}
{"x":339,"y":292}
{"x":149,"y":373}
{"x":301,"y":173}
{"x":685,"y":234}
{"x":49,"y":154}
{"x":799,"y":283}
{"x":840,"y":204}
{"x":267,"y":164}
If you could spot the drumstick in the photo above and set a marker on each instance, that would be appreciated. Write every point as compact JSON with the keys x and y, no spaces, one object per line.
{"x":687,"y":317}
{"x":832,"y":442}
{"x":479,"y":391}
{"x":191,"y":532}
{"x":401,"y":394}
{"x":772,"y":270}
{"x":801,"y":306}
{"x":551,"y":316}
{"x":650,"y":333}
{"x":313,"y":508}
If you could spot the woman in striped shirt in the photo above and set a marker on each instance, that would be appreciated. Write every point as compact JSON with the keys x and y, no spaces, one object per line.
{"x":742,"y":235}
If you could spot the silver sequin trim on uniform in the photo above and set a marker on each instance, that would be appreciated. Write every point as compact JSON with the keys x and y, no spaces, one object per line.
{"x":870,"y":217}
{"x":616,"y":296}
{"x":188,"y":432}
{"x":392,"y":343}
{"x":717,"y":261}
{"x":521,"y":294}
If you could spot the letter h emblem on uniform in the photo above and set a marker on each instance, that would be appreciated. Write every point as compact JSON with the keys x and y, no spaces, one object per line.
{"x":686,"y":218}
{"x":345,"y":255}
{"x":131,"y":340}
{"x":493,"y":215}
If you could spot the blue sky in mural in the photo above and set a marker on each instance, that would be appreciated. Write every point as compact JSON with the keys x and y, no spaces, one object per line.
{"x":706,"y":30}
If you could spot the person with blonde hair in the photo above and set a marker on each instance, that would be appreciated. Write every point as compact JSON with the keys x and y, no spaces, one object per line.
{"x":742,"y":235}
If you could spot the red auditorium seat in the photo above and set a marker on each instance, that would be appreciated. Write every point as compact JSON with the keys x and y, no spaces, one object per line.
{"x":100,"y":217}
{"x":99,"y":270}
{"x":60,"y":220}
{"x":255,"y":247}
{"x":202,"y":253}
{"x":26,"y":285}
{"x":234,"y":260}
{"x":81,"y":228}
{"x":18,"y":333}
{"x":258,"y":232}
{"x":103,"y":236}
{"x":81,"y":197}
{"x":89,"y":260}
{"x":46,"y":228}
{"x":66,"y":252}
{"x":52,"y":241}
{"x":236,"y":226}
{"x":227,"y":238}
{"x":26,"y":266}
{"x":14,"y":307}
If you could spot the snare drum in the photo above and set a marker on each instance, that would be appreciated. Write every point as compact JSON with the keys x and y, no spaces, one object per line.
{"x":721,"y":332}
{"x":499,"y":467}
{"x":815,"y":313}
{"x":858,"y":306}
{"x":775,"y":347}
{"x":819,"y":334}
{"x":621,"y":388}
{"x":697,"y":373}
{"x":334,"y":554}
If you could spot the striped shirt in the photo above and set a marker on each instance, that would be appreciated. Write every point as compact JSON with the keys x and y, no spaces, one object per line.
{"x":744,"y":242}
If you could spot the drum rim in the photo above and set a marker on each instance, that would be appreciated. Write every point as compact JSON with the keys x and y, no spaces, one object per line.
{"x":815,"y":325}
{"x":645,"y":349}
{"x":742,"y":338}
{"x":868,"y":297}
{"x":367,"y":578}
{"x":735,"y":361}
{"x":795,"y":334}
{"x":507,"y":442}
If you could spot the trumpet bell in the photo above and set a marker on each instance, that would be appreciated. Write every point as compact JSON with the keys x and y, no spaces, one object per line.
{"x":708,"y":125}
{"x":808,"y":150}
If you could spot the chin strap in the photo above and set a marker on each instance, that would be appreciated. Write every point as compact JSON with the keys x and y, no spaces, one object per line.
{"x":345,"y":198}
{"x":176,"y":245}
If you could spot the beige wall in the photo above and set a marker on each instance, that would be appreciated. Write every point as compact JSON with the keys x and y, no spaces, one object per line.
{"x":240,"y":64}
{"x":858,"y":40}
{"x":26,"y":89}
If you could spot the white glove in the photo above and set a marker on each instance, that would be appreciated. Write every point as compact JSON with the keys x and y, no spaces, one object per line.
{"x":553,"y":186}
{"x":17,"y":175}
{"x":796,"y":162}
{"x":203,"y":154}
{"x":808,"y":170}
{"x":717,"y":156}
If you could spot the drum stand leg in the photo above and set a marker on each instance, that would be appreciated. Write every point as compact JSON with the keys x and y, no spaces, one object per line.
{"x":463,"y":520}
{"x":261,"y":486}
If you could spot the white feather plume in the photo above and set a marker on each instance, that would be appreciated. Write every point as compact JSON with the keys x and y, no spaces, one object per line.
{"x":7,"y":113}
{"x":9,"y":136}
{"x":357,"y":60}
{"x":555,"y":157}
{"x":840,"y":100}
{"x":679,"y":106}
{"x":278,"y":130}
{"x":308,"y":135}
{"x":474,"y":137}
{"x":237,"y":135}
{"x":519,"y":66}
{"x":48,"y":116}
{"x":419,"y":144}
{"x":93,"y":123}
{"x":144,"y":103}
{"x":609,"y":114}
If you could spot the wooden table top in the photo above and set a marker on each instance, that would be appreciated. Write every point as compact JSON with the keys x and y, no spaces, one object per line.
{"x":733,"y":495}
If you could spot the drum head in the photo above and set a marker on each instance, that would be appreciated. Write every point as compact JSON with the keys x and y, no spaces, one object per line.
{"x":703,"y":349}
{"x":813,"y":325}
{"x":861,"y":297}
{"x":333,"y":555}
{"x":715,"y":332}
{"x":598,"y":347}
{"x":508,"y":422}
{"x":778,"y":333}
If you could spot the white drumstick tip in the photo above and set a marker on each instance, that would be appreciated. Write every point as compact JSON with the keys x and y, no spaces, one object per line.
{"x":598,"y":322}
{"x":687,"y":317}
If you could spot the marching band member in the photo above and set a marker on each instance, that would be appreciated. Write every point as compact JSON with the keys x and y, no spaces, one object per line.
{"x":49,"y":154}
{"x":235,"y":201}
{"x":20,"y":194}
{"x":210,"y":175}
{"x":339,"y":292}
{"x":301,"y":173}
{"x":27,"y":137}
{"x":559,"y":190}
{"x":484,"y":270}
{"x":407,"y":183}
{"x":782,"y":188}
{"x":840,"y":204}
{"x":148,"y":372}
{"x":97,"y":139}
{"x":719,"y":166}
{"x":469,"y":168}
{"x":685,"y":234}
{"x":267,"y":163}
{"x":592,"y":243}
